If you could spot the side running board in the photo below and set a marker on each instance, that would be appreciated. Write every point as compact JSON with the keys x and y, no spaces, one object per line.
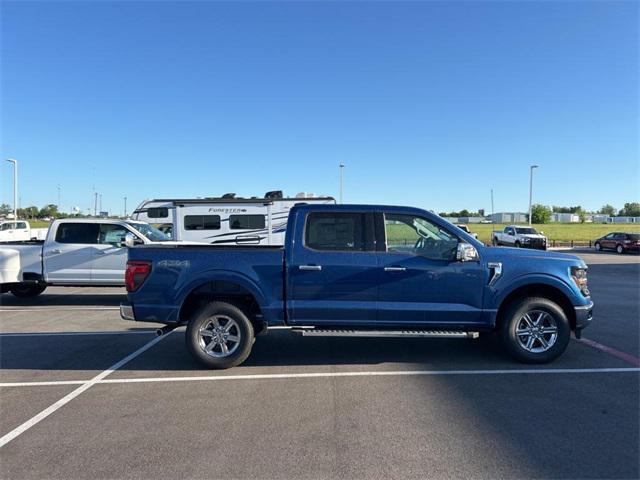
{"x":317,"y":332}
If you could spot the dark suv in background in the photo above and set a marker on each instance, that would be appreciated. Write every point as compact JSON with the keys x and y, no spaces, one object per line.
{"x":620,"y":242}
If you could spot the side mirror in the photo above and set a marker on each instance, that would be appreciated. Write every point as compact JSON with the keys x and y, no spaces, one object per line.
{"x":466,"y":253}
{"x":511,"y":234}
{"x":130,"y":240}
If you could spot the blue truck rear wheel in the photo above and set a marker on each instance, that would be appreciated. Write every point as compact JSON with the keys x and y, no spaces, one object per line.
{"x":219,"y":335}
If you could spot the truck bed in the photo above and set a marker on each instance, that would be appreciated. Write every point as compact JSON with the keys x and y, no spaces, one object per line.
{"x":178,"y":270}
{"x":18,"y":258}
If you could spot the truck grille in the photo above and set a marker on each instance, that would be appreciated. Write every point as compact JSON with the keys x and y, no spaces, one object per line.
{"x":537,"y":242}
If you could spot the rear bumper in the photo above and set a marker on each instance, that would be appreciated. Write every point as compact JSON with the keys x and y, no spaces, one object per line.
{"x":584,"y":315}
{"x":126,"y":312}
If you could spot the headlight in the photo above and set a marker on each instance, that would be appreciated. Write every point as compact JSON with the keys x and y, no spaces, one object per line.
{"x":579,"y":276}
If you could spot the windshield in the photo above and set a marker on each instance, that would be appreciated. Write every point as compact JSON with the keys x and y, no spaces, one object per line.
{"x":150,"y":232}
{"x":526,"y":231}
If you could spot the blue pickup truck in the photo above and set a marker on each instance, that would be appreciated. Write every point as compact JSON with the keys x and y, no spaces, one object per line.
{"x":360,"y":270}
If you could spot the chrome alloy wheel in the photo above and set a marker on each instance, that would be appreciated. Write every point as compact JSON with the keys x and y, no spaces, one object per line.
{"x":220,"y":336}
{"x":537,"y":331}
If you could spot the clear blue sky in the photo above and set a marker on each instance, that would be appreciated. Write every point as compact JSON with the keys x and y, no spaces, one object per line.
{"x":427,"y":103}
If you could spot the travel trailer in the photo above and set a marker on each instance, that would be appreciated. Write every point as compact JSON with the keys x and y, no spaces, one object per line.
{"x":226,"y":220}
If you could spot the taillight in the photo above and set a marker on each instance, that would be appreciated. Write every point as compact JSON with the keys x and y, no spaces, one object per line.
{"x":136,"y":273}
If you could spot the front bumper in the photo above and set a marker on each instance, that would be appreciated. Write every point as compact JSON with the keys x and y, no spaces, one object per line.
{"x":584,"y":315}
{"x":126,"y":312}
{"x":535,"y":245}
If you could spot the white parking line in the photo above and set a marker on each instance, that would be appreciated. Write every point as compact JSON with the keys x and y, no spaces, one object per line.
{"x":378,"y":373}
{"x":54,"y":334}
{"x":55,"y":308}
{"x":85,"y":386}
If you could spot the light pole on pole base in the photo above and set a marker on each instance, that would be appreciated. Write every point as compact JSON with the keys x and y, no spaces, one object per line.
{"x":342,"y":165}
{"x":15,"y":186}
{"x":531,"y":190}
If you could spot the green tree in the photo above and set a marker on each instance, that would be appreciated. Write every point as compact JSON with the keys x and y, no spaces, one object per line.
{"x":5,"y":209}
{"x":31,"y":212}
{"x":50,"y":210}
{"x":540,"y":213}
{"x":630,"y":210}
{"x":607,"y":209}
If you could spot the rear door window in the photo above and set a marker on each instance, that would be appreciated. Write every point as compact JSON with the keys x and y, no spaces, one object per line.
{"x":335,"y":231}
{"x":85,"y":233}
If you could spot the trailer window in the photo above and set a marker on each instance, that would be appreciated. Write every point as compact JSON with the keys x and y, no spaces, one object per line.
{"x":85,"y":233}
{"x":246,"y":222}
{"x":202,"y":222}
{"x":335,"y":231}
{"x":158,"y":212}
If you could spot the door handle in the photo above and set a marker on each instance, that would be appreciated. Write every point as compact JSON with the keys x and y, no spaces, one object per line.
{"x":314,"y":268}
{"x":395,"y":269}
{"x":55,"y":250}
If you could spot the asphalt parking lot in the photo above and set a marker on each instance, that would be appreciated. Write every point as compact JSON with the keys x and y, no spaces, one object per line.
{"x":84,"y":394}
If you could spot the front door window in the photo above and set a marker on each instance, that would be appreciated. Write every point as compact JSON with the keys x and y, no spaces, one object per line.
{"x":419,"y":236}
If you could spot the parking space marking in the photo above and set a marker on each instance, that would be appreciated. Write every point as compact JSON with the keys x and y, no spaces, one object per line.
{"x":627,"y":357}
{"x":53,"y":334}
{"x":280,"y":376}
{"x":85,"y":386}
{"x":57,"y":308}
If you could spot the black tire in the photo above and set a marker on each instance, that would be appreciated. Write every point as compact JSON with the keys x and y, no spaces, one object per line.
{"x":243,"y":329}
{"x":598,"y":247}
{"x":27,"y":290}
{"x":619,"y":249}
{"x":514,"y":315}
{"x":517,"y":245}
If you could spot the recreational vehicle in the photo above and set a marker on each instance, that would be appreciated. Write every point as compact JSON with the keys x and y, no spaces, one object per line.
{"x":226,"y":220}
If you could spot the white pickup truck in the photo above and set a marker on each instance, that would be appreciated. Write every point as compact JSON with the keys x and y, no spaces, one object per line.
{"x":519,"y":237}
{"x":75,"y":252}
{"x":20,"y":231}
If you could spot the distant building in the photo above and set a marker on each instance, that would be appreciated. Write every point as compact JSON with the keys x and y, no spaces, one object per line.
{"x":470,"y":219}
{"x":509,"y":217}
{"x":565,"y":217}
{"x":624,"y":220}
{"x":597,"y":218}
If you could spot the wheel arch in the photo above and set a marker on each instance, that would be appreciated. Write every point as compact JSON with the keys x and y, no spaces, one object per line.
{"x":233,"y":289}
{"x":543,"y":290}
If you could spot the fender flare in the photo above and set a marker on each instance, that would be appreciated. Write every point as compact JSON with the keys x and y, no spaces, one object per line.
{"x":224,"y":276}
{"x":536,"y":279}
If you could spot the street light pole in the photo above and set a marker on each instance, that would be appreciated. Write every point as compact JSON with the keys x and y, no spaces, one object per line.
{"x":492,"y":212}
{"x":341,"y":180}
{"x":531,"y":190}
{"x":125,"y":207}
{"x":15,"y":186}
